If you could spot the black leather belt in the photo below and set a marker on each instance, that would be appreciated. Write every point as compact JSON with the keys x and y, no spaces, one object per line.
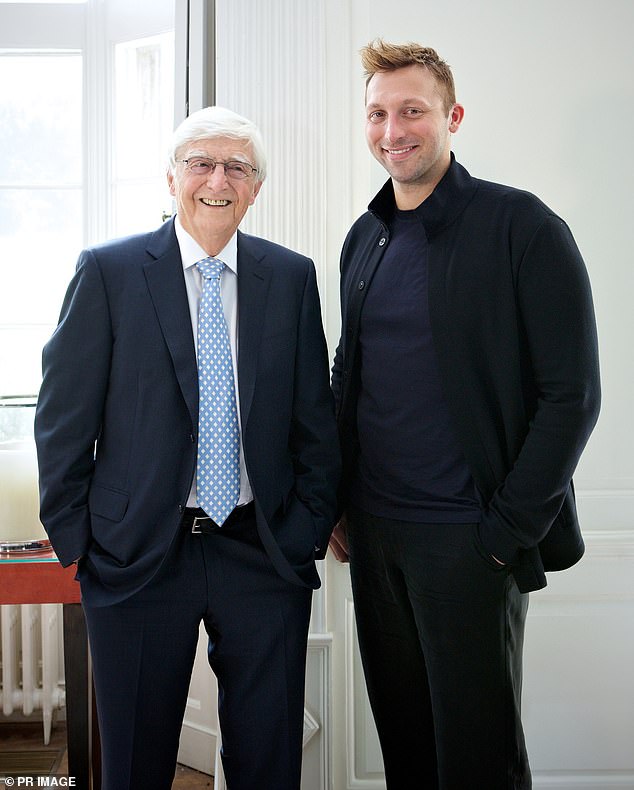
{"x":198,"y":522}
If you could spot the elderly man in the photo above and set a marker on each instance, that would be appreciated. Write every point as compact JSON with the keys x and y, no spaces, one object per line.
{"x":188,"y":464}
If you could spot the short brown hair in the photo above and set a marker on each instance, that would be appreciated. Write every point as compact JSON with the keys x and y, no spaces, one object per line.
{"x":379,"y":55}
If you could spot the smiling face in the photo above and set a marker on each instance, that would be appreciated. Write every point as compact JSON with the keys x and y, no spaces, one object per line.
{"x":211,"y":206}
{"x":408,"y":130}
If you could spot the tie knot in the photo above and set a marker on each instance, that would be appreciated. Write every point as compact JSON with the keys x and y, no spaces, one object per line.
{"x":210,"y":267}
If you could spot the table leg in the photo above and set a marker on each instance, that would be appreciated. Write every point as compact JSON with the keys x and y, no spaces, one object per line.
{"x":80,"y":720}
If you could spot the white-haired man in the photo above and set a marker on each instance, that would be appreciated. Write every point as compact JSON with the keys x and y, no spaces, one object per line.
{"x":188,"y":463}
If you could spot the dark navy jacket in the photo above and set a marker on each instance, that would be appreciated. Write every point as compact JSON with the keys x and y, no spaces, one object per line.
{"x":514,"y":332}
{"x":117,"y":417}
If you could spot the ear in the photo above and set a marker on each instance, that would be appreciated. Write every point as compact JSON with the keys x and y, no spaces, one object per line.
{"x":170,"y":182}
{"x":455,"y":117}
{"x":256,"y":189}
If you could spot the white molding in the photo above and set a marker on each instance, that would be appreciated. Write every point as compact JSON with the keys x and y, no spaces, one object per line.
{"x":318,"y":619}
{"x":201,"y":67}
{"x":602,"y":578}
{"x":321,"y":641}
{"x":55,"y":26}
{"x":200,"y":728}
{"x":354,"y":781}
{"x":583,"y":780}
{"x":97,"y":97}
{"x":318,"y":711}
{"x":311,"y":727}
{"x":612,"y":543}
{"x":606,"y":508}
{"x":181,"y":62}
{"x":199,"y":748}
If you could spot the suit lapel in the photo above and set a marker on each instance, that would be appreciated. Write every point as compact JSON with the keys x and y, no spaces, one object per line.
{"x":253,"y":284}
{"x":166,"y":283}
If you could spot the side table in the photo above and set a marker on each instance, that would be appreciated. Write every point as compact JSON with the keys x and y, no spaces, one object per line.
{"x":38,"y":577}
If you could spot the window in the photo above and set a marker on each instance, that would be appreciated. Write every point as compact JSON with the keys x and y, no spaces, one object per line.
{"x":83,"y":134}
{"x":144,"y":112}
{"x":40,"y":203}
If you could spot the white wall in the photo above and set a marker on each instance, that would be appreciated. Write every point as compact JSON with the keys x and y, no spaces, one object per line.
{"x":547,"y":87}
{"x":548,"y":90}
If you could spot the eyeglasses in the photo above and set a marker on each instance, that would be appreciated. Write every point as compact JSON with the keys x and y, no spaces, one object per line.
{"x":200,"y":166}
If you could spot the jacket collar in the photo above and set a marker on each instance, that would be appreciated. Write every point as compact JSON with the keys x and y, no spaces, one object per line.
{"x":445,"y":204}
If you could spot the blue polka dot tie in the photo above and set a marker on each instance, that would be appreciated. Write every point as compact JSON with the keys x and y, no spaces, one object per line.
{"x":218,"y":470}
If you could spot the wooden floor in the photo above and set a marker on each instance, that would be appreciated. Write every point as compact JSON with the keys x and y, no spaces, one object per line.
{"x":26,"y":737}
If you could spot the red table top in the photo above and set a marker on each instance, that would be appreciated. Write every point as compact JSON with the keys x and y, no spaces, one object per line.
{"x":37,"y":577}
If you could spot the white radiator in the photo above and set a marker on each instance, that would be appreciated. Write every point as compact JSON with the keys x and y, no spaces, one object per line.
{"x":31,"y":678}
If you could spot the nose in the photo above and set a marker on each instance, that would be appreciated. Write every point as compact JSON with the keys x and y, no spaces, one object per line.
{"x":217,"y":178}
{"x":393,"y":128}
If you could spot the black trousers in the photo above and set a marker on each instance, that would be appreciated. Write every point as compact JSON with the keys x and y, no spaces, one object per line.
{"x":143,"y":652}
{"x":440,"y":629}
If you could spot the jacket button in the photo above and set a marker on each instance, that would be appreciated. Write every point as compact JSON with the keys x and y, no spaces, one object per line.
{"x":361,"y":285}
{"x":181,"y":508}
{"x":382,"y":241}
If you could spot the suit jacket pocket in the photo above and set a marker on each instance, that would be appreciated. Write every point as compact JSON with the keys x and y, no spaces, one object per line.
{"x":107,"y":502}
{"x":294,"y":529}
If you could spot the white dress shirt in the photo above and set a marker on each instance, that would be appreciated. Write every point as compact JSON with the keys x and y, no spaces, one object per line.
{"x":191,"y":253}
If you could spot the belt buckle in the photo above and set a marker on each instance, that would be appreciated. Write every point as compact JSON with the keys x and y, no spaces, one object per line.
{"x":196,"y":530}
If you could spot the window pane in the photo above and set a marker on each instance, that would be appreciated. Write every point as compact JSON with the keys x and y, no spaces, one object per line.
{"x":40,"y":118}
{"x":144,"y":111}
{"x":40,"y":239}
{"x":20,"y":358}
{"x":141,"y":206}
{"x":41,"y":220}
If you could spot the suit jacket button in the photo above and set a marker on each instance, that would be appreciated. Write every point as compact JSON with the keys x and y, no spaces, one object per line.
{"x":382,"y":241}
{"x":361,"y":285}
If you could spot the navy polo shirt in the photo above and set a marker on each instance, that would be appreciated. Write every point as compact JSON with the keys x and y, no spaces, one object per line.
{"x":410,"y":465}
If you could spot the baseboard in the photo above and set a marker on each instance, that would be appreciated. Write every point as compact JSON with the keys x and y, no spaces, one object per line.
{"x":198,"y":749}
{"x":583,"y":780}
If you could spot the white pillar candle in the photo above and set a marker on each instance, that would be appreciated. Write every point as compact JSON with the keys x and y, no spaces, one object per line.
{"x":19,"y":496}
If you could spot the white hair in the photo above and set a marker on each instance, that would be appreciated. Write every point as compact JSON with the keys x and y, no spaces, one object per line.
{"x":213,"y":122}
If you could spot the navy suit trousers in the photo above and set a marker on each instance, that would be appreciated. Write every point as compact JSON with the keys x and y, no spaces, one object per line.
{"x":143,"y":652}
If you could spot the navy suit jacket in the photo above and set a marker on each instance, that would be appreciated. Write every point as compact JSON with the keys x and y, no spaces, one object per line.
{"x":117,"y":416}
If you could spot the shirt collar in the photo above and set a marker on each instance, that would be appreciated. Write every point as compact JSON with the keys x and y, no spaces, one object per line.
{"x":192,"y":252}
{"x":441,"y":208}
